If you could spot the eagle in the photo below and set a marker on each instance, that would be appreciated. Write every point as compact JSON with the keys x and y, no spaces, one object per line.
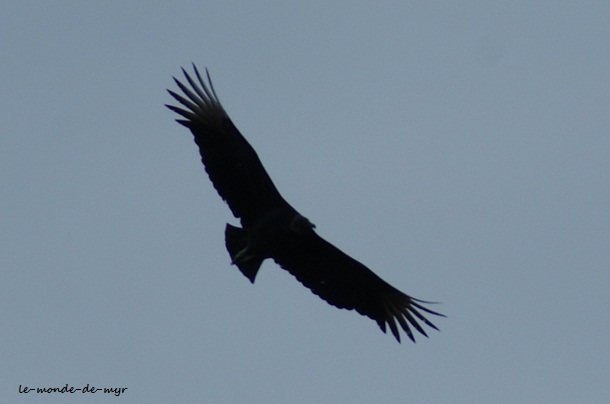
{"x":272,"y":228}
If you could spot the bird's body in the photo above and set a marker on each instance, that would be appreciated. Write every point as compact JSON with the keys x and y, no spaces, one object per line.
{"x":271,"y":228}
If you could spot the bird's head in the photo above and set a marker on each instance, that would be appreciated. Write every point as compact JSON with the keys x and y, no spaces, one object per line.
{"x":300,"y":224}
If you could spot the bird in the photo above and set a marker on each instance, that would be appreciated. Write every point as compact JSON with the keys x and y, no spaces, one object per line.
{"x":273,"y":229}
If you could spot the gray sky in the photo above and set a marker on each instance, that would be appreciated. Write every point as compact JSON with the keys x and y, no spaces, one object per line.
{"x":460,"y":151}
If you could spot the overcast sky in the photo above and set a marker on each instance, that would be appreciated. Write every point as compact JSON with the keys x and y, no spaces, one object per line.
{"x":462,"y":152}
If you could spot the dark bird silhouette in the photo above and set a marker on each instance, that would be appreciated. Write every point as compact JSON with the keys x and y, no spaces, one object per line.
{"x":271,"y":228}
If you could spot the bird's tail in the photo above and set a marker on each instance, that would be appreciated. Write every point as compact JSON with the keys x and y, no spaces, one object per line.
{"x":236,"y":240}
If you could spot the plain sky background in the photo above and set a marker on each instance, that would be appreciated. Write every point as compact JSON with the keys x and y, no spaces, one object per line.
{"x":461,"y":150}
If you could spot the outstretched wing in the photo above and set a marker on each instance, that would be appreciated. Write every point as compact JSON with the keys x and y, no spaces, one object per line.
{"x":231,"y":163}
{"x":347,"y":284}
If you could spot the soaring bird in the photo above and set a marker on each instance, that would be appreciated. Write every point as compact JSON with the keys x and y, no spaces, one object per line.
{"x":271,"y":228}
